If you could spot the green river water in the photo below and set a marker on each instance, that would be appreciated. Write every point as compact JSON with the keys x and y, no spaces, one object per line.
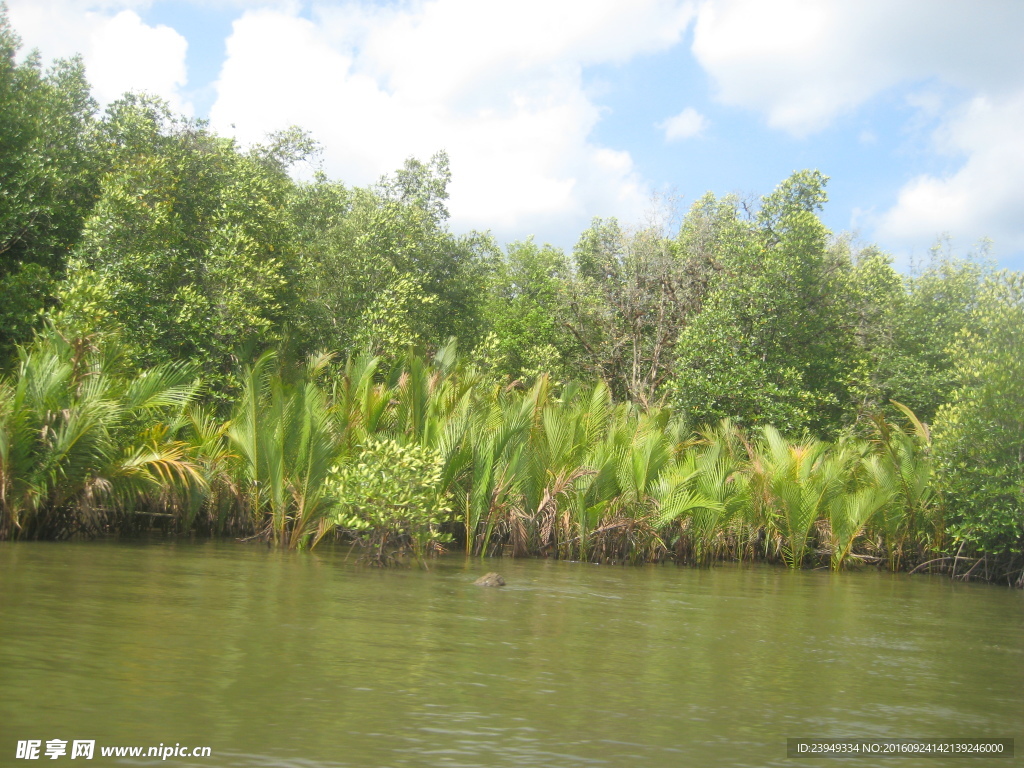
{"x":307,"y":660}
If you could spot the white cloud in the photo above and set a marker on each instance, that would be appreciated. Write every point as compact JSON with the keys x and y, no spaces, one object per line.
{"x":804,"y":64}
{"x":498,"y":85}
{"x":121,"y":52}
{"x":982,"y":198}
{"x":450,"y":48}
{"x":126,"y":54}
{"x":687,"y":124}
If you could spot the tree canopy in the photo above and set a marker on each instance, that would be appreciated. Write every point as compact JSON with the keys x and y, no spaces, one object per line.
{"x":142,"y":235}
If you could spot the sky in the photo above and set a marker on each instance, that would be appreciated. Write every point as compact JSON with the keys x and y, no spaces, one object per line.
{"x":554,"y":112}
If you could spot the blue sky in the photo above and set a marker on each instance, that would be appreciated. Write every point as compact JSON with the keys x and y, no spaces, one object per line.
{"x":556,"y":111}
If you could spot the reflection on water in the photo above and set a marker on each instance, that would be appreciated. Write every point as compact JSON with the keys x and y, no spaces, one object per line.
{"x":284,"y":659}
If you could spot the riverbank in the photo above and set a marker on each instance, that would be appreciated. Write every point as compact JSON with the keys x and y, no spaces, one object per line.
{"x":432,"y":455}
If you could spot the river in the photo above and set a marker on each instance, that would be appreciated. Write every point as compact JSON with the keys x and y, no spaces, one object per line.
{"x":273,"y":658}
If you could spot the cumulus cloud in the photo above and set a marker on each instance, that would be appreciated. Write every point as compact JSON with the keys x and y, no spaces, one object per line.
{"x":121,"y":52}
{"x":980,"y":199}
{"x":803,"y":65}
{"x":687,"y":124}
{"x":499,"y":86}
{"x":125,"y":54}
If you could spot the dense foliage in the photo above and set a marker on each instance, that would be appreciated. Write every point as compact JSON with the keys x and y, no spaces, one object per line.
{"x":190,"y":337}
{"x":415,"y":455}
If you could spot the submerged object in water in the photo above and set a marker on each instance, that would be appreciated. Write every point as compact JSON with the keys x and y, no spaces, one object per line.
{"x":491,"y":579}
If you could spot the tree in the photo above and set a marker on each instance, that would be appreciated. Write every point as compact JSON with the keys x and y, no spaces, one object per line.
{"x":878,"y":299}
{"x":979,"y":434}
{"x":772,"y":340}
{"x":423,"y":186}
{"x":625,"y":305}
{"x":356,"y":244}
{"x":190,"y":239}
{"x":48,"y":178}
{"x":524,"y":301}
{"x":907,"y":327}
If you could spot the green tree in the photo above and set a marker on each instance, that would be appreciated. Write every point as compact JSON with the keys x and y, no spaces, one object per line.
{"x":83,"y":442}
{"x":48,"y":176}
{"x":772,"y":340}
{"x":190,"y":239}
{"x":625,"y":306}
{"x":879,"y":301}
{"x":913,"y":356}
{"x":423,"y":186}
{"x":357,"y":244}
{"x":282,"y":435}
{"x":524,"y":303}
{"x":979,"y":434}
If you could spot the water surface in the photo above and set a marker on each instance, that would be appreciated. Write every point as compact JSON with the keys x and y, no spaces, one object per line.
{"x":282,"y":659}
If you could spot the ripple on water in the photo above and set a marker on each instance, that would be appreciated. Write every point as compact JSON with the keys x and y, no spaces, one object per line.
{"x":305,"y":660}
